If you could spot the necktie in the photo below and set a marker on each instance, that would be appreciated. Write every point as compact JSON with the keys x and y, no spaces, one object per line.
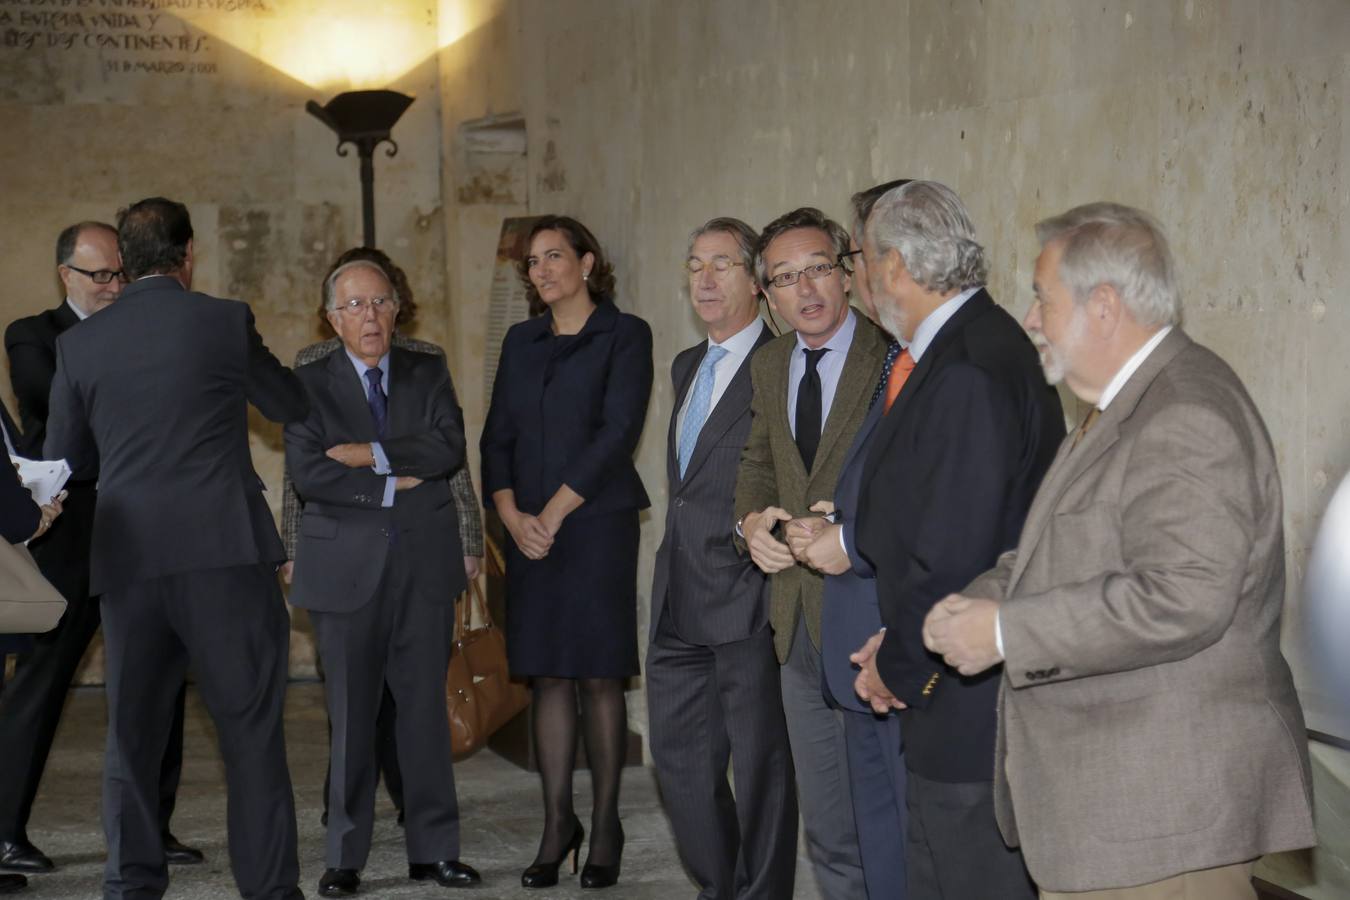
{"x":892,"y":351}
{"x":378,"y":400}
{"x":1088,"y":422}
{"x":700,"y":402}
{"x":808,"y":408}
{"x":904,"y":364}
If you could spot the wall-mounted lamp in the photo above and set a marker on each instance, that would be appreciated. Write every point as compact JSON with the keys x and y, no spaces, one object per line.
{"x":363,"y":118}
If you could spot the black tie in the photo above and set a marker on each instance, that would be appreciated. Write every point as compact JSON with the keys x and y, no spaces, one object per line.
{"x":379,"y":403}
{"x":808,"y":408}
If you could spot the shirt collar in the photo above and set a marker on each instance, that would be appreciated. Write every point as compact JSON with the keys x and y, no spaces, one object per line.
{"x":79,"y":313}
{"x":933,"y":322}
{"x":743,"y":341}
{"x":360,"y":366}
{"x":1131,"y":366}
{"x":841,"y":339}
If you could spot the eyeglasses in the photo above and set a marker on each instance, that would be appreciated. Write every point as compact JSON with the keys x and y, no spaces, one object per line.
{"x":815,"y":273}
{"x":98,"y":276}
{"x":720,"y":265}
{"x":357,"y":305}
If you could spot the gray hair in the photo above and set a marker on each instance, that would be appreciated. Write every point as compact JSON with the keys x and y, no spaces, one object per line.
{"x":927,"y":224}
{"x":805,"y":217}
{"x":744,"y":235}
{"x":330,"y":283}
{"x":1109,"y":243}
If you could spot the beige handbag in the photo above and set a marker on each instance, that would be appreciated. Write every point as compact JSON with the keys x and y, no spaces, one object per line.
{"x":28,"y":602}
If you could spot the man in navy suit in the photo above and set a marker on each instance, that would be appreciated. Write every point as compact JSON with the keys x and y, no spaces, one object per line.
{"x":969,"y":428}
{"x":713,"y":689}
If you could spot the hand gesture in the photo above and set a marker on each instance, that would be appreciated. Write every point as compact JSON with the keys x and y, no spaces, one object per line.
{"x":770,"y":554}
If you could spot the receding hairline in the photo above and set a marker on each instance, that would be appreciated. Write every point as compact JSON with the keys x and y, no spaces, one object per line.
{"x":828,"y":252}
{"x":331,"y":283}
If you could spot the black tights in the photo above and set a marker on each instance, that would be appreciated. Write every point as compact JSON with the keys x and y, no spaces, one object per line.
{"x":604,"y":719}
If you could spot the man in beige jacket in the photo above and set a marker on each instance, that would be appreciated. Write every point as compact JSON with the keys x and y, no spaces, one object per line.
{"x":1151,"y":744}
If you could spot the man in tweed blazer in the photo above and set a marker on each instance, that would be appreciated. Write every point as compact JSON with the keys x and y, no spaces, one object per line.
{"x":811,"y":392}
{"x":461,"y":489}
{"x":1150,"y":741}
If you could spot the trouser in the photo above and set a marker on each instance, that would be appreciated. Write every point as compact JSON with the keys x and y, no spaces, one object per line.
{"x":231,"y":625}
{"x":707,"y":706}
{"x":954,"y":850}
{"x":401,"y":639}
{"x":876,"y":774}
{"x":819,"y":756}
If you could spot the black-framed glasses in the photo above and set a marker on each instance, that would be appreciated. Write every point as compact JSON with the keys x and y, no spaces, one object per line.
{"x":815,"y":273}
{"x":357,"y":305}
{"x":720,"y":264}
{"x":98,"y":276}
{"x":844,"y":256}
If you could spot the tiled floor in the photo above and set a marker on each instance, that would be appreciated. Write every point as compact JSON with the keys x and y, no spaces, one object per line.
{"x":499,"y":803}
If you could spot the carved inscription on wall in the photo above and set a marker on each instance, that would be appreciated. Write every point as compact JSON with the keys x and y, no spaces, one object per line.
{"x":128,"y":36}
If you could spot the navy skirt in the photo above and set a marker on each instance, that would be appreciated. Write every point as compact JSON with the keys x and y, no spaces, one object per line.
{"x":573,"y":614}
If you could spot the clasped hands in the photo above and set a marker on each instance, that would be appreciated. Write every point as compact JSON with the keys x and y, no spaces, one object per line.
{"x":362,"y":456}
{"x":810,"y":540}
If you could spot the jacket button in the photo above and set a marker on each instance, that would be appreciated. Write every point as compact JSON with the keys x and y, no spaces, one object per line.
{"x":1032,"y":676}
{"x":1054,"y":670}
{"x":679,"y":501}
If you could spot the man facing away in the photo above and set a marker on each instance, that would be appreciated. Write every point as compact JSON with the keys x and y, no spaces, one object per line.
{"x":152,"y":394}
{"x":969,"y":429}
{"x":30,"y":710}
{"x":811,"y":392}
{"x":379,"y":565}
{"x":1151,"y":742}
{"x":713,"y":694}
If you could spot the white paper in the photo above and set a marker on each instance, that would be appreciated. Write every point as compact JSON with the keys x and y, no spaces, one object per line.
{"x":44,"y":478}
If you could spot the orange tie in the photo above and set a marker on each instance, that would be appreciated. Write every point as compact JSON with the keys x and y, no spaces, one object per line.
{"x":900,"y":369}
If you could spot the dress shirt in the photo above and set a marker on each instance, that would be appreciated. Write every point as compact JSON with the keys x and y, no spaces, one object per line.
{"x":738,"y":347}
{"x":381,"y":466}
{"x":79,"y":313}
{"x":1113,"y":387}
{"x":829,"y":368}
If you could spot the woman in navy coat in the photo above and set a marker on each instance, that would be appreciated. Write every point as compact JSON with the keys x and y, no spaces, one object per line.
{"x":567,"y":410}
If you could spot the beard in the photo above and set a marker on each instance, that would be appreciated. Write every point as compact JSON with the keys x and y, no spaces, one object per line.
{"x":1055,"y":359}
{"x":889,"y":315}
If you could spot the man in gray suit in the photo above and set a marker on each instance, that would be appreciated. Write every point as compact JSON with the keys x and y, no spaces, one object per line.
{"x":378,"y":565}
{"x":712,"y":679}
{"x":1151,"y":744}
{"x":811,"y":392}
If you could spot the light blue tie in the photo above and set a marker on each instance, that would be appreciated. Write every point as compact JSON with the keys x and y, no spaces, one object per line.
{"x":699,"y":402}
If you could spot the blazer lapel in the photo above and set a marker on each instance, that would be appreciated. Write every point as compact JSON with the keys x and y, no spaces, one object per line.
{"x":684,"y":381}
{"x":350,"y":396}
{"x":64,"y":317}
{"x":1071,"y":462}
{"x":403,"y":412}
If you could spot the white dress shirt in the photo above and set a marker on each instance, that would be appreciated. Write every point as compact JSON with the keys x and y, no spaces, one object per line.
{"x":738,"y":347}
{"x":79,"y":313}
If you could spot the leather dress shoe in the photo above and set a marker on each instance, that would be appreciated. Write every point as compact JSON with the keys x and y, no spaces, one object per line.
{"x":339,"y":883}
{"x":446,"y":873}
{"x":12,"y":884}
{"x":176,"y":853}
{"x":21,"y":856}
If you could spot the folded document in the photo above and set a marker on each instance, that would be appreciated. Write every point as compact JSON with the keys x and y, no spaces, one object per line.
{"x":44,"y":478}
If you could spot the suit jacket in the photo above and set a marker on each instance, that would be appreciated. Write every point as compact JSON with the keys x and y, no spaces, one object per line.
{"x":571,"y":416}
{"x":1148,"y":721}
{"x":461,"y":482}
{"x":63,"y":552}
{"x":715,"y":595}
{"x":772,"y":473}
{"x":151,"y":395}
{"x":949,"y":475}
{"x":345,"y":532}
{"x":849,"y":613}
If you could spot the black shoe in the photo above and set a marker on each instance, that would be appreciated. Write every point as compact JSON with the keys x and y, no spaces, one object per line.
{"x":339,"y":883}
{"x":545,"y":874}
{"x":594,"y":877}
{"x":446,"y":873}
{"x":176,"y":853}
{"x":21,"y":856}
{"x":12,"y":884}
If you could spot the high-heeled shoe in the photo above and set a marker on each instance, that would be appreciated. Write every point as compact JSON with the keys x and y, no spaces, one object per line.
{"x":595,"y":877}
{"x":545,"y":874}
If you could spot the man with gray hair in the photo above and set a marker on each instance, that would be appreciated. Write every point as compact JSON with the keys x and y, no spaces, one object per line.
{"x":378,"y":565}
{"x":712,"y":679}
{"x":969,"y":429}
{"x":1152,"y":744}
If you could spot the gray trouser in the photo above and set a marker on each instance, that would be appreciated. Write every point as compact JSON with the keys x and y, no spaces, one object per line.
{"x":819,"y":754}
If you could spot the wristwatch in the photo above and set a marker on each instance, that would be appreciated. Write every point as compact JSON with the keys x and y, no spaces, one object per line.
{"x":740,"y":530}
